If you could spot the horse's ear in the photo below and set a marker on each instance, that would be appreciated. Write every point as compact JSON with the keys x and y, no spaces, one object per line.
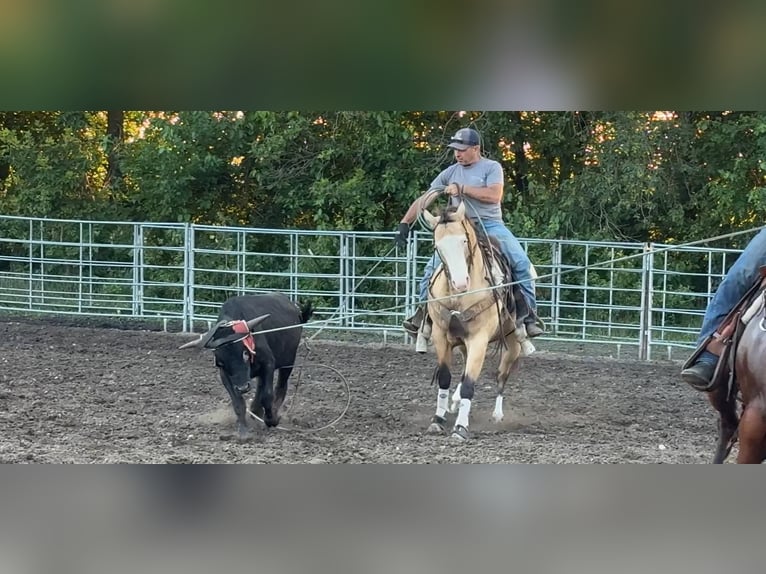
{"x":431,"y":219}
{"x":460,"y":211}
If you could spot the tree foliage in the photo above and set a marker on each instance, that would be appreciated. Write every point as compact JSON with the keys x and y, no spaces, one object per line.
{"x":637,"y":176}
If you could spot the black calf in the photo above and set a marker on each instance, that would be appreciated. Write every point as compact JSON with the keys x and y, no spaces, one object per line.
{"x":256,"y":336}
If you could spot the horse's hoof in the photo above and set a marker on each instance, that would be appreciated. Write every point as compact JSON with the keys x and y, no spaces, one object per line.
{"x":437,"y":425}
{"x":460,"y":433}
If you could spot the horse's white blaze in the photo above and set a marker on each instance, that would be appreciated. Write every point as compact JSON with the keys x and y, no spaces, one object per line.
{"x":463,"y":413}
{"x":452,"y":252}
{"x":455,"y":402}
{"x":497,"y":414}
{"x":441,"y":402}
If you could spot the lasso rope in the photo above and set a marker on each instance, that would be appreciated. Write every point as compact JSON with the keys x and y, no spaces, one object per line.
{"x":509,"y":284}
{"x":295,"y":396}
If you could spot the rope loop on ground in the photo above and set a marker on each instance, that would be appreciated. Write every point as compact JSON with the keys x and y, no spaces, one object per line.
{"x":295,"y":395}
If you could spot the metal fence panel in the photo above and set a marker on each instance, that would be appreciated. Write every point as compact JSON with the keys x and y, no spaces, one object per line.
{"x":647,"y":296}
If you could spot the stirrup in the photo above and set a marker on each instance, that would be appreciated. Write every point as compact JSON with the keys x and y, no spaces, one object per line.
{"x":424,"y":336}
{"x":697,"y":381}
{"x":412,"y":324}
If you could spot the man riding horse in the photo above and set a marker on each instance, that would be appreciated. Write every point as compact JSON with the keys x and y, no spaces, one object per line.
{"x":477,"y":181}
{"x":738,"y":281}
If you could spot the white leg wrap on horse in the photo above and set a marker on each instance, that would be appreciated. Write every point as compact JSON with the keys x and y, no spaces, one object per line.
{"x":497,"y":414}
{"x":455,"y":402}
{"x":442,"y":401}
{"x":462,"y":415}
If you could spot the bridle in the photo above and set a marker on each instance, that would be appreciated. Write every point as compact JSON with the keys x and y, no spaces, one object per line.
{"x":469,"y":256}
{"x":475,"y":310}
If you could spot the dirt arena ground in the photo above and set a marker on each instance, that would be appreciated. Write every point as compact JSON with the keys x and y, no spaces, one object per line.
{"x":94,"y":395}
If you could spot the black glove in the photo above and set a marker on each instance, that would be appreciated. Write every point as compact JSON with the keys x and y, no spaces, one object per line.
{"x":401,"y":236}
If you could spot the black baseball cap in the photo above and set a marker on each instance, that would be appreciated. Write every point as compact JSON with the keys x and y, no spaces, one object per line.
{"x":464,"y":138}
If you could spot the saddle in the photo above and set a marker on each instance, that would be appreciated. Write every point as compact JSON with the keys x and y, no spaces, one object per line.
{"x":501,"y":273}
{"x":723,"y":342}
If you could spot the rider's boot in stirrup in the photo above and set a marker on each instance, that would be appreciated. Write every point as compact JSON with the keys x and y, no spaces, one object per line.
{"x":412,"y":324}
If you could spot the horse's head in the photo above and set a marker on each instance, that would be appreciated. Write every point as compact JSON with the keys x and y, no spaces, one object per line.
{"x":454,"y":241}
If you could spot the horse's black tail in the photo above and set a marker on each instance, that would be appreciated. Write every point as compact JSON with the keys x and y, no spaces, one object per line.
{"x":306,"y":309}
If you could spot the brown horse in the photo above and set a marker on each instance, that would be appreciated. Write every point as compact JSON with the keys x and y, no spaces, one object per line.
{"x":749,"y":381}
{"x":468,"y":313}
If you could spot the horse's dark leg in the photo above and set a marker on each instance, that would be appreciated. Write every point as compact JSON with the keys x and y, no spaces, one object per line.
{"x":727,"y":421}
{"x":752,"y":433}
{"x":443,"y":377}
{"x":454,"y":402}
{"x":508,"y":363}
{"x":476,"y":350}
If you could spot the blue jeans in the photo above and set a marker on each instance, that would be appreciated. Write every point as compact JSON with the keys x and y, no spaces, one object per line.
{"x":521,"y":266}
{"x":738,"y":280}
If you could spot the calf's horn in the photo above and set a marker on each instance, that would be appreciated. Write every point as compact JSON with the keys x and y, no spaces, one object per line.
{"x":194,"y":343}
{"x":252,"y":323}
{"x":203,"y":339}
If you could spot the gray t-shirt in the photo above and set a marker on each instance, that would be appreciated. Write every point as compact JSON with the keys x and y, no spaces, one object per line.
{"x":483,"y":173}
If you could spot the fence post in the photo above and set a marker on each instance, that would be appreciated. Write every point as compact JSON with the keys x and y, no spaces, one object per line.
{"x":188,"y":310}
{"x":413,"y":278}
{"x":353,"y":282}
{"x":138,"y":268}
{"x":343,"y":283}
{"x":647,"y":278}
{"x":555,"y":285}
{"x":30,"y":259}
{"x":294,"y":265}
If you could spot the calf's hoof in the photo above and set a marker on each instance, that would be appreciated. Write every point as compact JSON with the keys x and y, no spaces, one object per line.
{"x":272,"y":421}
{"x":257,"y":412}
{"x":244,"y":435}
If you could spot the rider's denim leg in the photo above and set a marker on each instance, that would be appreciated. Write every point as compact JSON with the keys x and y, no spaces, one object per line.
{"x":520,"y":263}
{"x":738,"y":280}
{"x":428,"y":272}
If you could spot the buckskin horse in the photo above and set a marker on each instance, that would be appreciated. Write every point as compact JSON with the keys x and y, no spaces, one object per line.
{"x":467,"y":312}
{"x":741,"y":375}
